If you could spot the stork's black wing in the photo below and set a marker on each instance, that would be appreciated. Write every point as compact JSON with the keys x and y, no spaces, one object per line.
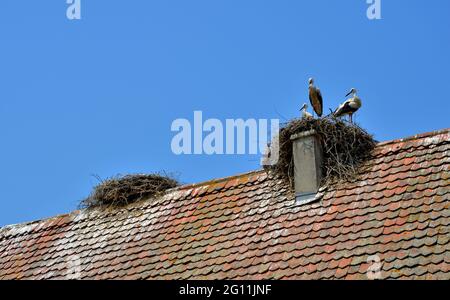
{"x":315,"y":97}
{"x":344,"y":109}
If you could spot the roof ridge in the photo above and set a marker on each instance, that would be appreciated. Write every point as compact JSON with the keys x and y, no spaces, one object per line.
{"x":171,"y":190}
{"x":215,"y":180}
{"x":211,"y":181}
{"x":415,"y":137}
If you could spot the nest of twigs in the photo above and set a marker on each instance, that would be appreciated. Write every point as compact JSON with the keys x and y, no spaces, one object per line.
{"x":120,"y":191}
{"x":345,"y":148}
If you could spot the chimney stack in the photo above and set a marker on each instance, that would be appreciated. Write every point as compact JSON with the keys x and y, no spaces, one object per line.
{"x":308,"y":157}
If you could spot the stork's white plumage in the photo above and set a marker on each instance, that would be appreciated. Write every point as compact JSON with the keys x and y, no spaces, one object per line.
{"x":315,"y":97}
{"x":305,"y":113}
{"x":350,"y":106}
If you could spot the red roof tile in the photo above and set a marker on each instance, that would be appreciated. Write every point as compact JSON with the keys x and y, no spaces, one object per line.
{"x":249,"y":227}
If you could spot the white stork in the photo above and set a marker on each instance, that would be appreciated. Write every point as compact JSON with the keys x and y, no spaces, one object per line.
{"x":305,"y":113}
{"x":350,"y":106}
{"x":315,"y":97}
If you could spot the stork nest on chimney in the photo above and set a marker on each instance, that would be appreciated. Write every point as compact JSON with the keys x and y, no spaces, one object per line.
{"x":345,"y":148}
{"x":120,"y":191}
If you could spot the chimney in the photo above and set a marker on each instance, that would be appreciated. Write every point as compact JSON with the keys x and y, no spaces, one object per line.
{"x":307,"y":152}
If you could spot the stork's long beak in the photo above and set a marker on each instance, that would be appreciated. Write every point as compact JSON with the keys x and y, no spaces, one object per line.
{"x":349,"y":93}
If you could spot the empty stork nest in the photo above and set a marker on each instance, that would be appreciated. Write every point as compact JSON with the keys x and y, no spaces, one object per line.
{"x":120,"y":191}
{"x":345,"y":148}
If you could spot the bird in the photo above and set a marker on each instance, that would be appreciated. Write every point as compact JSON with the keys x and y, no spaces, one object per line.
{"x":350,"y":106}
{"x":305,"y":113}
{"x":315,"y":97}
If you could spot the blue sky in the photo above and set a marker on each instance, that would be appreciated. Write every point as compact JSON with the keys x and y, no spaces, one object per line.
{"x":98,"y":95}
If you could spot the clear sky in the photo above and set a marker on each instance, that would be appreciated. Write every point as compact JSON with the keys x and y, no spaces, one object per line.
{"x":98,"y":95}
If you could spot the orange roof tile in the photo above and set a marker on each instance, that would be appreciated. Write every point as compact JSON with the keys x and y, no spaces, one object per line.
{"x":249,"y":227}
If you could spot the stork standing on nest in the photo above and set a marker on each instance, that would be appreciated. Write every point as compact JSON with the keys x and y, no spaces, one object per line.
{"x":315,"y":97}
{"x":350,"y":106}
{"x":305,"y":113}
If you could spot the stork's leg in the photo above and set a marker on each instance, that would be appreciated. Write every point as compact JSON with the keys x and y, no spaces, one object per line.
{"x":351,"y":118}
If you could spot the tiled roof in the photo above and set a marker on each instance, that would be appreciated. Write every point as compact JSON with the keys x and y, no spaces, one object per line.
{"x":249,"y":227}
